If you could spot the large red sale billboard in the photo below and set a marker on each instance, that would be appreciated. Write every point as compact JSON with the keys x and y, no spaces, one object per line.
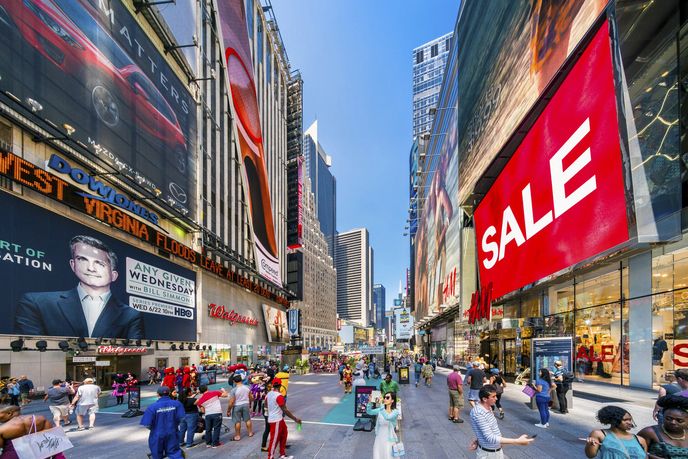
{"x":560,"y":199}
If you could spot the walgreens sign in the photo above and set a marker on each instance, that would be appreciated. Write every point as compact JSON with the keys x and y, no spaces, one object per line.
{"x":560,"y":199}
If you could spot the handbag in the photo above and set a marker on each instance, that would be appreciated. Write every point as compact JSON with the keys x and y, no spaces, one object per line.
{"x":529,"y":391}
{"x":43,"y":444}
{"x":398,"y":449}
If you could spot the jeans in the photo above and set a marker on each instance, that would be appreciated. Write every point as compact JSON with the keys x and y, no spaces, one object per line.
{"x":213,"y":422}
{"x":188,"y":426}
{"x":417,"y":375}
{"x":543,"y":408}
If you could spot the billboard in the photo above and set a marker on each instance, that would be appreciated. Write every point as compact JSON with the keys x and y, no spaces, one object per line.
{"x":64,"y":279}
{"x":403,"y":323}
{"x":275,"y":324}
{"x":561,"y":197}
{"x":88,"y":64}
{"x":232,"y":18}
{"x":438,"y":238}
{"x":509,"y":53}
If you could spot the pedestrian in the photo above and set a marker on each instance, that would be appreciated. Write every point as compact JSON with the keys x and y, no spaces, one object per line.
{"x":4,"y":392}
{"x":417,"y":370}
{"x":151,"y":375}
{"x":347,"y":375}
{"x":13,"y":390}
{"x":209,"y":404}
{"x":25,"y":389}
{"x":617,"y":442}
{"x":543,"y":386}
{"x":427,"y":373}
{"x":266,"y":430}
{"x":86,"y":402}
{"x":489,"y":441}
{"x":681,"y":376}
{"x":563,"y":380}
{"x":389,"y":385}
{"x":15,"y":425}
{"x":454,"y":385}
{"x":498,"y":381}
{"x":386,"y":422}
{"x":162,"y":418}
{"x":240,"y":400}
{"x":188,"y":425}
{"x":341,"y":372}
{"x":359,"y":380}
{"x":475,"y":379}
{"x":277,"y":408}
{"x":668,"y":439}
{"x":58,"y":401}
{"x":666,"y":389}
{"x":119,"y":388}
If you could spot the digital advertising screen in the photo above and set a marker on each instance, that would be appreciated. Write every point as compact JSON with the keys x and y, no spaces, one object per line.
{"x":89,"y":65}
{"x":275,"y":324}
{"x":64,"y":279}
{"x":363,"y":395}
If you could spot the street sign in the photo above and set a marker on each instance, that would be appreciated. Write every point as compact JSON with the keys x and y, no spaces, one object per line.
{"x":373,"y":350}
{"x":83,"y":359}
{"x":293,"y":321}
{"x":102,"y":363}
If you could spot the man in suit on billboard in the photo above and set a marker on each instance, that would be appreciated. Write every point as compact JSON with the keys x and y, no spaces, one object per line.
{"x":90,"y":309}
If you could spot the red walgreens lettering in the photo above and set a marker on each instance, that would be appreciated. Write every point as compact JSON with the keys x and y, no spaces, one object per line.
{"x":118,"y":350}
{"x":232,"y":316}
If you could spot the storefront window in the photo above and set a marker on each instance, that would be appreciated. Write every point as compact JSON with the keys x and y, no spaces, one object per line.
{"x":560,"y":299}
{"x":531,"y":306}
{"x":598,"y":290}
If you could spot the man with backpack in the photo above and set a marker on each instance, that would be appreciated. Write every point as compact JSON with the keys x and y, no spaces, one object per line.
{"x":563,"y":379}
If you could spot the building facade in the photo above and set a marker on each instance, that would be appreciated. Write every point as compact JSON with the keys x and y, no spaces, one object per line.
{"x":323,"y":182}
{"x":150,"y":181}
{"x":319,"y":304}
{"x":429,"y":60}
{"x":379,"y":305}
{"x":354,"y":276}
{"x":608,"y":271}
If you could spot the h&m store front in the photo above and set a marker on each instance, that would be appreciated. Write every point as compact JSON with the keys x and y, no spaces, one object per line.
{"x":582,"y":233}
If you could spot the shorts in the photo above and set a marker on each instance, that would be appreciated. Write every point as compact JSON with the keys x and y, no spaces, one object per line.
{"x":455,"y":399}
{"x":83,"y":410}
{"x":240,"y":413}
{"x":59,"y":410}
{"x":473,"y":394}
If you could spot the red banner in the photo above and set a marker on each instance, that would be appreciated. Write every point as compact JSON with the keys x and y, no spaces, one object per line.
{"x":560,"y":199}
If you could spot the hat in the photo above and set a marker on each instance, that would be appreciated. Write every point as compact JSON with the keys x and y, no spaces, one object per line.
{"x":163,"y":390}
{"x":88,"y":381}
{"x":276,"y":382}
{"x":494,"y":371}
{"x":285,"y":368}
{"x":476,"y":364}
{"x":558,"y":363}
{"x":456,"y":368}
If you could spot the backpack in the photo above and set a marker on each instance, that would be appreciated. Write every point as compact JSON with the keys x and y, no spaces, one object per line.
{"x":569,"y":377}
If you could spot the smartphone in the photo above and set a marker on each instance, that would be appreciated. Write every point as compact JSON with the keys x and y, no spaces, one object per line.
{"x":532,"y":436}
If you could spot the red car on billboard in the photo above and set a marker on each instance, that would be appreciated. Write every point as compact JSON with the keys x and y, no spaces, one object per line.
{"x":68,"y":34}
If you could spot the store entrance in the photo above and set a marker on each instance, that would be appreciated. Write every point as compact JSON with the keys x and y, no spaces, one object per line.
{"x":510,"y":357}
{"x":105,"y":368}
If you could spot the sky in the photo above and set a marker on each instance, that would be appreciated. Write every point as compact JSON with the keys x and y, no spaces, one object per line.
{"x":355,"y":59}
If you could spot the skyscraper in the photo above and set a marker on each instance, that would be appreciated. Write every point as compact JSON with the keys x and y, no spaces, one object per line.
{"x":429,"y":61}
{"x":379,"y":305}
{"x":353,"y":259}
{"x":323,"y":183}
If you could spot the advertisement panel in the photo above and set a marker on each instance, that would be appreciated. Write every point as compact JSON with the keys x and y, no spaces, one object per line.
{"x":88,"y":64}
{"x":546,"y":351}
{"x":509,"y":53}
{"x":403,"y":323}
{"x":560,"y":199}
{"x":275,"y":324}
{"x":438,"y":239}
{"x":65,"y":279}
{"x":232,"y":18}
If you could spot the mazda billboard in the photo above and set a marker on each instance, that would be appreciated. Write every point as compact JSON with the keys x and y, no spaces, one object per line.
{"x":88,"y":64}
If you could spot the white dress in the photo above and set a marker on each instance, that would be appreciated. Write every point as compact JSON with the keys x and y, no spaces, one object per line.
{"x":385,"y":436}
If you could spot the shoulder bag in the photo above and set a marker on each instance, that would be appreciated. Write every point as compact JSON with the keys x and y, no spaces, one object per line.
{"x":43,"y":444}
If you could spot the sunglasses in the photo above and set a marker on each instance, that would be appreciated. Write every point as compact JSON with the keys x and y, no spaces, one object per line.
{"x":388,"y":397}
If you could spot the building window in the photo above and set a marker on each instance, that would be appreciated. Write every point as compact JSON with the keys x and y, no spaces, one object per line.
{"x":419,"y":56}
{"x":434,"y":50}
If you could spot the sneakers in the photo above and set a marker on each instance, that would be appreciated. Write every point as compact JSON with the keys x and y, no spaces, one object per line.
{"x":542,"y":426}
{"x":501,"y":415}
{"x":286,"y":457}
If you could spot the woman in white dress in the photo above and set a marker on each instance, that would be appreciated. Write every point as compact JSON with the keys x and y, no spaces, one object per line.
{"x":387,"y":415}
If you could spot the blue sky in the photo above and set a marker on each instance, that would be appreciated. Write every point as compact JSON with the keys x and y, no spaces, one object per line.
{"x":355,"y":60}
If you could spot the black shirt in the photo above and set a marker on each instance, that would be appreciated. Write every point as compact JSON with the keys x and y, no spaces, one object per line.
{"x":477,"y":377}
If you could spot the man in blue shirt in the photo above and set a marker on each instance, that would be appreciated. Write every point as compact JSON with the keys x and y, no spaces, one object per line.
{"x":162,"y":418}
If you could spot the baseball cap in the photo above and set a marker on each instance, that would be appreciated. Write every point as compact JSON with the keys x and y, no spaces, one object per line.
{"x":276,"y":382}
{"x":163,"y":390}
{"x":456,"y":367}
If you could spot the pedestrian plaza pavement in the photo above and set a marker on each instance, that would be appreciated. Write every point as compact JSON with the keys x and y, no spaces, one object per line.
{"x":328,"y":418}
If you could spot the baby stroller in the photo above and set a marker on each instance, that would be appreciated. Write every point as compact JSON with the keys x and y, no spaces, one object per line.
{"x":523,"y":377}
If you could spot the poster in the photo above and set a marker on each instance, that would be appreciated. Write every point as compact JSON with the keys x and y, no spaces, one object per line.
{"x":275,"y":324}
{"x":546,"y":351}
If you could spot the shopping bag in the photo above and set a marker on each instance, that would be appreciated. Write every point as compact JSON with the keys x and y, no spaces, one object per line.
{"x":398,"y":449}
{"x":43,"y":444}
{"x":529,"y":391}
